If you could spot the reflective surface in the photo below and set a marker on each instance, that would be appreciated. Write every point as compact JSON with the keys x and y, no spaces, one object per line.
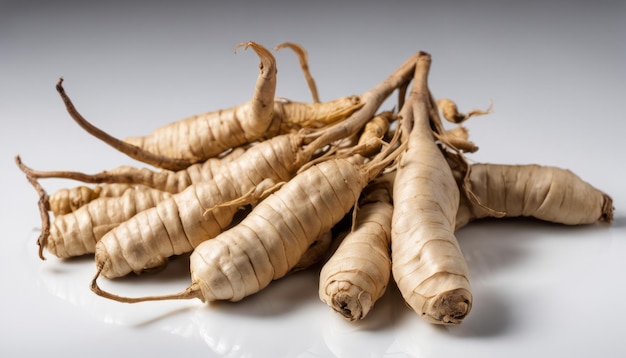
{"x":535,"y":286}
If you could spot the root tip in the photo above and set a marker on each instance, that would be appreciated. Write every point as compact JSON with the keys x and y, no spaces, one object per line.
{"x":59,"y":85}
{"x":450,"y":308}
{"x":607,"y":209}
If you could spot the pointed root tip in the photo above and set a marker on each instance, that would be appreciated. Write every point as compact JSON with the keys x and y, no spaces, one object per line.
{"x":298,"y":49}
{"x":59,"y":85}
{"x":41,"y":243}
{"x":424,"y":56}
{"x":20,"y":164}
{"x":282,"y":45}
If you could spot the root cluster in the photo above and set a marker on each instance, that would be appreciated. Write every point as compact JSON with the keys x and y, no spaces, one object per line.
{"x":268,"y":187}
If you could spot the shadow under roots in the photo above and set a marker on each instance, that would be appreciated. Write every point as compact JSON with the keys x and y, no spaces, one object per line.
{"x":490,"y":316}
{"x":280,"y":297}
{"x":176,"y":270}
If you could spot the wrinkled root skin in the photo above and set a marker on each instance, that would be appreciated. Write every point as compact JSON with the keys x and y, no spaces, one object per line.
{"x":448,"y":308}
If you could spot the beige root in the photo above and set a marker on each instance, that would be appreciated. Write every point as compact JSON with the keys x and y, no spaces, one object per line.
{"x":544,"y":192}
{"x":427,"y":263}
{"x":304,"y":170}
{"x":76,"y":233}
{"x":246,"y":258}
{"x":123,"y":177}
{"x":357,"y":273}
{"x":177,"y":225}
{"x":194,"y":139}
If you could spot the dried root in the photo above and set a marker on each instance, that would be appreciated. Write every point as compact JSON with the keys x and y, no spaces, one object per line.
{"x":254,"y":191}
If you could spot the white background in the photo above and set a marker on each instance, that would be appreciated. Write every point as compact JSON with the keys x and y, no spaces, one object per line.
{"x":555,"y":71}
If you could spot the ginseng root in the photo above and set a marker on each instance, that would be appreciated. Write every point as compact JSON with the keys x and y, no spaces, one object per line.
{"x":357,"y":273}
{"x":206,"y":225}
{"x":203,"y":136}
{"x":200,"y":212}
{"x":194,"y":139}
{"x":256,"y":191}
{"x":543,"y":192}
{"x":178,"y":224}
{"x":76,"y":233}
{"x":121,"y":178}
{"x":65,"y":201}
{"x":244,"y":180}
{"x":270,"y":241}
{"x":427,"y":264}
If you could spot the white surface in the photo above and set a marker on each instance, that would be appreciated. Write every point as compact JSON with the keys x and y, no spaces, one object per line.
{"x":556,"y":74}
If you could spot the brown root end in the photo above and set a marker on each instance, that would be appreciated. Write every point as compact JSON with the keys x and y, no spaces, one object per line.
{"x":449,"y":308}
{"x":607,"y":209}
{"x":353,"y":304}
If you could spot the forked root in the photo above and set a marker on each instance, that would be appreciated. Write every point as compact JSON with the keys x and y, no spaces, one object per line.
{"x":190,"y":292}
{"x":42,"y":203}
